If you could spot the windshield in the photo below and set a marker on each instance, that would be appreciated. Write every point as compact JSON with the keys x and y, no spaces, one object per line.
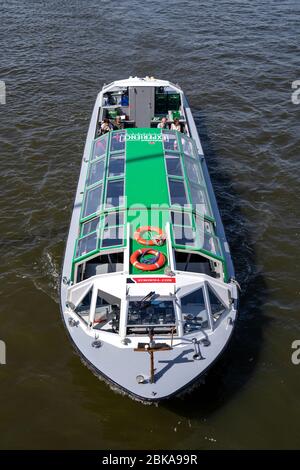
{"x":152,"y":313}
{"x":194,"y":311}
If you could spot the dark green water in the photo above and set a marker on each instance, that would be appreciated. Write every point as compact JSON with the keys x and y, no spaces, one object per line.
{"x":236,"y":61}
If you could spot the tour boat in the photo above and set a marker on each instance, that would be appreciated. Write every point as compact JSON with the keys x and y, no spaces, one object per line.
{"x":148,"y":293}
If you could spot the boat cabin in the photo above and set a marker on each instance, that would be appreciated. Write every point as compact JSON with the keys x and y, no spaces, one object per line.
{"x":144,"y":179}
{"x":115,"y":306}
{"x":141,"y":105}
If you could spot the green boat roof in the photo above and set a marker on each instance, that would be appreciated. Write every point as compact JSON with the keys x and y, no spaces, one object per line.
{"x":145,"y":177}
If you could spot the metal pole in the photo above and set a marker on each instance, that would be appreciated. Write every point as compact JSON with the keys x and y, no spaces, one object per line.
{"x":151,"y":367}
{"x":172,"y":337}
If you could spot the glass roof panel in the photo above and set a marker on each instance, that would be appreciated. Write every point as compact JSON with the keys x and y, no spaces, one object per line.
{"x":170,"y":141}
{"x":187,"y":146}
{"x":195,"y":232}
{"x":96,"y":172}
{"x":181,"y":218}
{"x":173,"y":164}
{"x":100,"y":146}
{"x":184,"y":235}
{"x":199,"y":200}
{"x":86,"y":245}
{"x":92,"y":201}
{"x":114,"y":218}
{"x":177,"y":192}
{"x":206,"y":238}
{"x":90,"y":226}
{"x":116,"y":164}
{"x":115,"y":193}
{"x":210,"y":243}
{"x":193,"y":170}
{"x":112,"y":236}
{"x":117,"y":142}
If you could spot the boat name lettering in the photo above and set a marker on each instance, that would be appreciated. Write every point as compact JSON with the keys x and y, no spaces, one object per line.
{"x":141,"y":137}
{"x":156,"y":280}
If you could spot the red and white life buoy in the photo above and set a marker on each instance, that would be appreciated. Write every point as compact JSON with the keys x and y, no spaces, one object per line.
{"x":159,"y":239}
{"x":159,"y":262}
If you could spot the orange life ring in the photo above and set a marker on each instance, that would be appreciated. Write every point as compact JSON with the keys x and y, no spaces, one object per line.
{"x":134,"y":259}
{"x":147,"y":228}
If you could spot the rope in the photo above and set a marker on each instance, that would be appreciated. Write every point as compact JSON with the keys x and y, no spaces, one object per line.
{"x":151,"y":260}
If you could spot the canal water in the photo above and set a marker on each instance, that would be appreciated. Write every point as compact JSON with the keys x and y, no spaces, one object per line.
{"x":236,"y":61}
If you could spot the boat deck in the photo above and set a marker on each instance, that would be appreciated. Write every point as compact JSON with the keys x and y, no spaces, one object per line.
{"x":173,"y":369}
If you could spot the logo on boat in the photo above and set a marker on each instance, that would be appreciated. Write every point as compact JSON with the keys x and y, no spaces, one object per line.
{"x":2,"y":352}
{"x":144,"y":137}
{"x":151,"y":279}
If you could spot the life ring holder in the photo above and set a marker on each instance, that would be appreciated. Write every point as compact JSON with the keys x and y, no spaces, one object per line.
{"x":157,"y":240}
{"x":134,"y":259}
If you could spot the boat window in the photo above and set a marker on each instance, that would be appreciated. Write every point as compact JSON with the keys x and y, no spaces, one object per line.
{"x":177,"y":192}
{"x":112,"y":236}
{"x":181,"y":218}
{"x":117,"y":142}
{"x":154,"y":313}
{"x":192,"y":262}
{"x":207,"y":226}
{"x":173,"y":164}
{"x":90,"y":226}
{"x":206,"y":237}
{"x":96,"y":172}
{"x":116,"y":165}
{"x":107,"y":315}
{"x":83,"y":308}
{"x":210,"y":244}
{"x":86,"y":244}
{"x":170,"y":141}
{"x":184,"y":235}
{"x":100,"y":146}
{"x":187,"y":146}
{"x":194,"y":310}
{"x":114,"y":218}
{"x":101,"y":307}
{"x":217,"y":307}
{"x":115,"y":193}
{"x":166,"y":100}
{"x":92,"y":202}
{"x":193,"y":171}
{"x":198,"y":198}
{"x":197,"y":195}
{"x":104,"y":264}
